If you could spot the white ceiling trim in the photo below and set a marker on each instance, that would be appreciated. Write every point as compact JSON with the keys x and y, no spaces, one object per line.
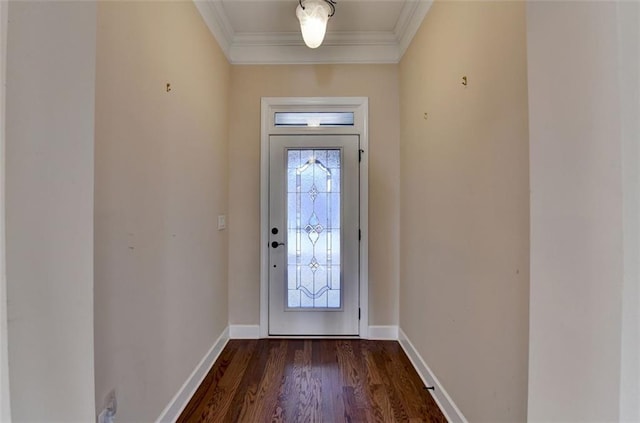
{"x":338,"y":47}
{"x":217,"y":22}
{"x":411,"y":25}
{"x":301,"y":54}
{"x":331,"y":39}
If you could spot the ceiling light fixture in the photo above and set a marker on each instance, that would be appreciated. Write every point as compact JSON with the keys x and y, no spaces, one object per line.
{"x":313,"y":16}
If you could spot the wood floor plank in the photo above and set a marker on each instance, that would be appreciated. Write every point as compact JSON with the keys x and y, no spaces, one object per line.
{"x":261,"y":407}
{"x":199,"y":404}
{"x":213,"y":398}
{"x":334,"y":407}
{"x":249,"y":383}
{"x":396,"y":402}
{"x":410,"y":389}
{"x":285,"y":405}
{"x":352,"y":373}
{"x":382,"y":410}
{"x":307,"y":387}
{"x":323,"y":366}
{"x":343,"y":380}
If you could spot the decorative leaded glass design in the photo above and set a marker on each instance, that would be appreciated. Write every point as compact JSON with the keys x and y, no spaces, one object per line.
{"x":313,"y":229}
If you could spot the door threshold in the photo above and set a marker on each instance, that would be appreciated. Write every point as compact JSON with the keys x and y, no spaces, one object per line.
{"x":314,"y":337}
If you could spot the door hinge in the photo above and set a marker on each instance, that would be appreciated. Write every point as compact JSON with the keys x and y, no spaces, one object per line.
{"x":359,"y":235}
{"x":360,"y":154}
{"x":359,"y":313}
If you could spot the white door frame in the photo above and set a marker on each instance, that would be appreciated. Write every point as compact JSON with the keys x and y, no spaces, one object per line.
{"x":360,"y":107}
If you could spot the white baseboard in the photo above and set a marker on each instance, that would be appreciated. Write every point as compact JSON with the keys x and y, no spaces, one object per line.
{"x":181,"y":399}
{"x":440,"y":395}
{"x":386,"y":333}
{"x":244,"y":331}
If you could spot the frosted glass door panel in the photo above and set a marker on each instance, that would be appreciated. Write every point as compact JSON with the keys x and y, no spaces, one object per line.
{"x":313,"y":229}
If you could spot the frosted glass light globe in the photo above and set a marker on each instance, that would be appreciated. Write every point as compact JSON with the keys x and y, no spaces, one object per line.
{"x":313,"y":21}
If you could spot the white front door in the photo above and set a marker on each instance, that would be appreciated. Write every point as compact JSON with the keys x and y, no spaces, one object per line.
{"x":313,"y":234}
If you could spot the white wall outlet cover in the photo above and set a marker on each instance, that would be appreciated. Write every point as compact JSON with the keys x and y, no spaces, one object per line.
{"x":106,"y":416}
{"x":222,"y":222}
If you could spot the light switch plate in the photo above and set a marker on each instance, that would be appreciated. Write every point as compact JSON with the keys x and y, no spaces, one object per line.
{"x":222,"y":222}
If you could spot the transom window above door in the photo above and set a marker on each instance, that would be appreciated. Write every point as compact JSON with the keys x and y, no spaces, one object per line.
{"x":314,"y":119}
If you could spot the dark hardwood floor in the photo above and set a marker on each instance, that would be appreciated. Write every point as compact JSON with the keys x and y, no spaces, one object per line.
{"x":275,"y":380}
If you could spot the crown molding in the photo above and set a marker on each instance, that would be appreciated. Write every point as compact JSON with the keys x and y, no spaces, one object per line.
{"x":408,"y":25}
{"x":331,"y":39}
{"x":338,"y":47}
{"x":216,"y":20}
{"x":301,"y":54}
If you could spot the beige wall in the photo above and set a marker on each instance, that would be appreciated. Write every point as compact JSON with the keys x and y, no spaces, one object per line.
{"x":464,"y":276}
{"x":583,"y":92}
{"x":248,"y":85}
{"x":161,"y":180}
{"x":5,"y":405}
{"x":49,"y":182}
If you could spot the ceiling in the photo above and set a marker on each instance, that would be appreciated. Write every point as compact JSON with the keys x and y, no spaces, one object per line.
{"x":267,"y":31}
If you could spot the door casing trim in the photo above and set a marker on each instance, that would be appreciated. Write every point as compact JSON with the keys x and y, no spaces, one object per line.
{"x":360,"y":107}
